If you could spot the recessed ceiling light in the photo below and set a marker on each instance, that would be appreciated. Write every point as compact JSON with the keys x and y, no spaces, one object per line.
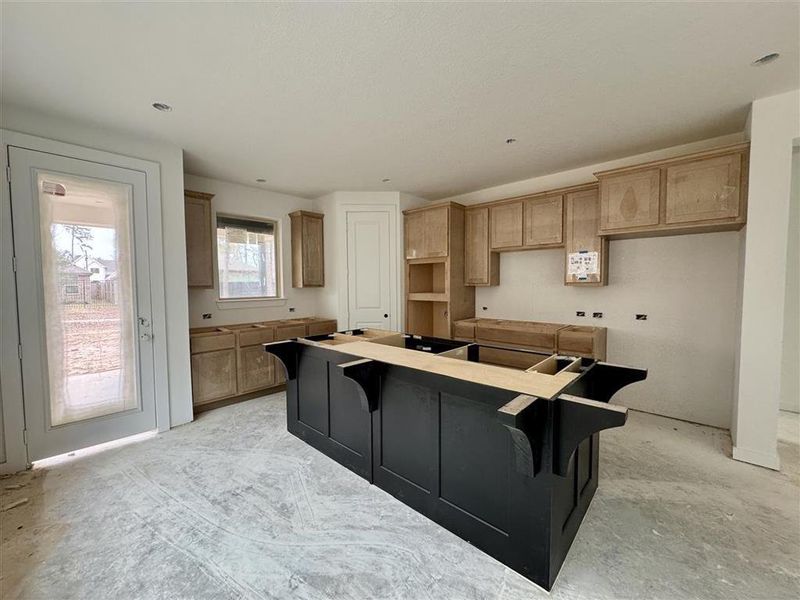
{"x":766,"y":59}
{"x":163,"y":107}
{"x":511,"y":140}
{"x":261,"y":180}
{"x":385,"y":180}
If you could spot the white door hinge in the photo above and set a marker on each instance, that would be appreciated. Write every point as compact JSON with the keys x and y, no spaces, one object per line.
{"x":19,"y":351}
{"x":14,"y":263}
{"x":8,"y":173}
{"x":25,"y":436}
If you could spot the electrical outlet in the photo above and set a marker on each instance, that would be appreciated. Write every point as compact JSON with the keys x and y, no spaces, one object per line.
{"x":641,"y":317}
{"x":597,"y":315}
{"x":580,"y":313}
{"x":291,"y":309}
{"x":206,"y":315}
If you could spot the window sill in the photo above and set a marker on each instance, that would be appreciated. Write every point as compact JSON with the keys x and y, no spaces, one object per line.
{"x":238,"y":303}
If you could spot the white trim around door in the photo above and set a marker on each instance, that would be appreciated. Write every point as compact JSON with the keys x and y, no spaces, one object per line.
{"x":14,"y":450}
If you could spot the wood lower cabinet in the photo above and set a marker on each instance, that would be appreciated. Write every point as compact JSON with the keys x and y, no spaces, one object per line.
{"x":230,"y":361}
{"x":308,"y":255}
{"x":213,"y":376}
{"x":586,"y":260}
{"x":256,"y":369}
{"x":199,"y":239}
{"x":569,"y":340}
{"x":544,"y":221}
{"x":481,"y":265}
{"x":506,"y":225}
{"x":698,"y":193}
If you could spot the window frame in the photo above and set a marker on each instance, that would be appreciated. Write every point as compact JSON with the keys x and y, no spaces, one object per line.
{"x":278,"y":235}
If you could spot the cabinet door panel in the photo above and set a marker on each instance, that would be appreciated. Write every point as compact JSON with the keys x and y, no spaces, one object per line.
{"x":476,"y":240}
{"x":704,"y":190}
{"x":256,"y":369}
{"x":544,"y":221}
{"x":436,"y":232}
{"x":415,"y":235}
{"x":199,"y":249}
{"x":630,"y":200}
{"x":506,"y":222}
{"x":581,"y":237}
{"x":213,"y":375}
{"x":313,"y":269}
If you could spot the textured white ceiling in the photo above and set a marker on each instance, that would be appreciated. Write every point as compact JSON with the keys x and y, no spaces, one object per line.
{"x":321,"y":97}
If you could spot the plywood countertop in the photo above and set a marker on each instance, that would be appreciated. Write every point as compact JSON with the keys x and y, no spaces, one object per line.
{"x":531,"y":383}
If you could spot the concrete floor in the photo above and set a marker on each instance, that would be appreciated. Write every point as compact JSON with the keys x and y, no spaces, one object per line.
{"x":232,"y":506}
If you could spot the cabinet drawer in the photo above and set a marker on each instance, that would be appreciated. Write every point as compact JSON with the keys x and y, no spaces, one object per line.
{"x":321,"y":327}
{"x":704,"y":190}
{"x":256,"y":369}
{"x":213,"y":375}
{"x":583,"y":341}
{"x":212,"y":341}
{"x":630,"y":200}
{"x":464,"y":330}
{"x":289,"y":331}
{"x":506,"y":225}
{"x":541,"y":337}
{"x":260,"y":335}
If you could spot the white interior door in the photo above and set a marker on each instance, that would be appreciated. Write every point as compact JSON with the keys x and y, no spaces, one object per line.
{"x":81,"y":245}
{"x":370,"y":287}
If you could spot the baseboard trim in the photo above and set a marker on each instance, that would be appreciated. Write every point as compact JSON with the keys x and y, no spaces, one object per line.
{"x":757,"y":457}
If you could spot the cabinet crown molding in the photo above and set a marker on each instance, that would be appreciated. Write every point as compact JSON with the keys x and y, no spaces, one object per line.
{"x":712,"y":152}
{"x":409,"y":211}
{"x":197,"y":195}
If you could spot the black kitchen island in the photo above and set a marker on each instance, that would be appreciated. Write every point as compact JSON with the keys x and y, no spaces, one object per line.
{"x":505,"y":458}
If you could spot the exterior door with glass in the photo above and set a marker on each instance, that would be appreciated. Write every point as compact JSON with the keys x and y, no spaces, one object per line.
{"x":82,"y":268}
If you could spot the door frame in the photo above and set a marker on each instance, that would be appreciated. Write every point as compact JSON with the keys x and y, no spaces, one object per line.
{"x":12,"y":417}
{"x":395,"y":318}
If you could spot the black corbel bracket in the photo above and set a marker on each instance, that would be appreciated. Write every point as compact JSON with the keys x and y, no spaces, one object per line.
{"x":602,"y":380}
{"x":525,"y":418}
{"x":575,"y":419}
{"x":286,"y":353}
{"x":366,"y":374}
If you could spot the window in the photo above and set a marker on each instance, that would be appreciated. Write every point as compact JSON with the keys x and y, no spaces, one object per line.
{"x":95,"y":270}
{"x":71,"y":289}
{"x":247,"y":258}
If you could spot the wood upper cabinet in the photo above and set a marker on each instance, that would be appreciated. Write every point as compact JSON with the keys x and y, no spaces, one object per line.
{"x":703,"y":190}
{"x":481,"y":265}
{"x":630,"y":200}
{"x":506,"y":225}
{"x":308,"y":255}
{"x":586,"y":252}
{"x":427,"y":232}
{"x":544,"y":221}
{"x":199,"y":239}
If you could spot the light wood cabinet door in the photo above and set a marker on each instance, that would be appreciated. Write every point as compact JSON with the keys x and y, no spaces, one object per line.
{"x":414,"y":235}
{"x":427,"y":233}
{"x":630,"y":200}
{"x":199,"y":240}
{"x":308,"y":255}
{"x":256,"y":369}
{"x":436,"y":232}
{"x":506,"y":225}
{"x":213,"y":376}
{"x":586,"y":252}
{"x":480,"y":263}
{"x":704,"y":190}
{"x":544,"y":221}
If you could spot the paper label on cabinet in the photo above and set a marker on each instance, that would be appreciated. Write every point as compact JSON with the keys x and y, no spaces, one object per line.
{"x":582,"y":264}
